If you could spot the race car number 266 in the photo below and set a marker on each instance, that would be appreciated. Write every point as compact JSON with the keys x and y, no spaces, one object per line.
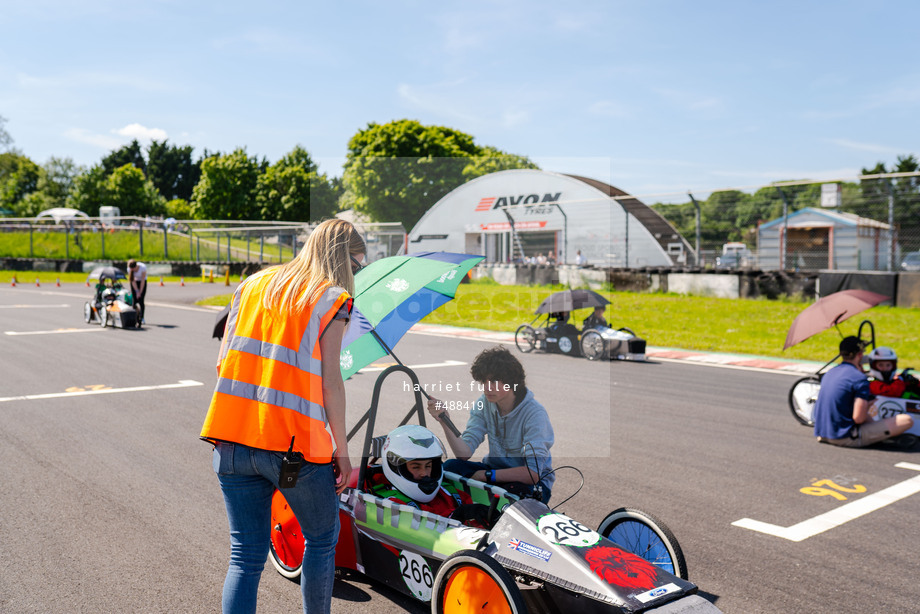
{"x":417,"y":574}
{"x":562,"y":530}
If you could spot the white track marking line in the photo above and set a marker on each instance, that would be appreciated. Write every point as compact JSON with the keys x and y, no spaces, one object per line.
{"x":448,"y":363}
{"x":21,"y":306}
{"x":14,"y":333}
{"x":186,"y":383}
{"x":844,"y":513}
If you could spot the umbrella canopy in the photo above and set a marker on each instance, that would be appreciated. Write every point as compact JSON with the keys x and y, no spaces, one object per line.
{"x":830,"y":311}
{"x":106,"y":272}
{"x":570,"y":300}
{"x":394,"y":293}
{"x":220,"y":323}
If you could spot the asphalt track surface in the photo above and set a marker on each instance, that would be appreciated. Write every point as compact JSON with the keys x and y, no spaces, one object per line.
{"x":108,"y":502}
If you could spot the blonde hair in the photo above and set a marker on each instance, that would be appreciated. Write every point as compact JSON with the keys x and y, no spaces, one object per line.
{"x":325,"y":260}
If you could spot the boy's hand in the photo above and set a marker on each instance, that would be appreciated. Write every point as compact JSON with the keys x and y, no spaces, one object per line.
{"x":436,"y":407}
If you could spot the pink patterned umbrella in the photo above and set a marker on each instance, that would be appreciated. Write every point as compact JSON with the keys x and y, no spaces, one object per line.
{"x":830,"y":311}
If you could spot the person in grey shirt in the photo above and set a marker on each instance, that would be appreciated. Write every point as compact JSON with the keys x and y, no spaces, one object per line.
{"x":517,"y":426}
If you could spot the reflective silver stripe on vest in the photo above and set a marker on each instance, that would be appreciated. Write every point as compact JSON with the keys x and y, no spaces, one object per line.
{"x":311,"y":335}
{"x":271,"y":396}
{"x":302,"y":358}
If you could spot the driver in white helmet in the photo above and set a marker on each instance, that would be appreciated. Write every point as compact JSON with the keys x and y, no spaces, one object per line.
{"x":412,"y":467}
{"x":883,"y":367}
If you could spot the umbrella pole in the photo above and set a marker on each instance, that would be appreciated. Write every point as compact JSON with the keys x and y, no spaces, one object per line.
{"x":443,"y":417}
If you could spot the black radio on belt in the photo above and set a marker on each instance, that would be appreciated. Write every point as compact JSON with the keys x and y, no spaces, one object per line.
{"x":291,"y":463}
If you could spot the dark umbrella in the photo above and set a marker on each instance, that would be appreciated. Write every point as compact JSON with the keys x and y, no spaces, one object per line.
{"x":106,"y":272}
{"x":220,"y":324}
{"x":570,"y":300}
{"x":830,"y":311}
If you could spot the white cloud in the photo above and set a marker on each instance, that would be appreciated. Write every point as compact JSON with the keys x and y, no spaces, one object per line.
{"x":141,"y":133}
{"x":513,"y":118}
{"x":608,"y":108}
{"x":103,"y":141}
{"x":692,"y":102}
{"x":445,"y":100}
{"x":848,"y":144}
{"x":116,"y":138}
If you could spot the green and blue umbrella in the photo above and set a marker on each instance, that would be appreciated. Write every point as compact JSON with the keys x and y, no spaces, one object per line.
{"x":393,"y":294}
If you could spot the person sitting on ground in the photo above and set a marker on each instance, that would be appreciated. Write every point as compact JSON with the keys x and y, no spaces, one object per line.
{"x":885,"y":382}
{"x":843,"y":410}
{"x":413,"y":475}
{"x":596,"y":319}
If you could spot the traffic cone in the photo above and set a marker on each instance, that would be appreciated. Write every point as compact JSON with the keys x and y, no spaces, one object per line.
{"x":13,"y":283}
{"x":161,"y":280}
{"x":182,"y":282}
{"x":58,"y":282}
{"x":37,"y":284}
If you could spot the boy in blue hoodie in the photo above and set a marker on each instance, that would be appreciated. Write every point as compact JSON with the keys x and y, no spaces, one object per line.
{"x":517,"y":426}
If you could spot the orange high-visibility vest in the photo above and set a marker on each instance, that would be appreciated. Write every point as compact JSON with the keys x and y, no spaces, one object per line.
{"x":269,"y":385}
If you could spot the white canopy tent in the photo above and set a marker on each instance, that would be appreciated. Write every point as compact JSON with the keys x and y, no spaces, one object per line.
{"x":62,"y":214}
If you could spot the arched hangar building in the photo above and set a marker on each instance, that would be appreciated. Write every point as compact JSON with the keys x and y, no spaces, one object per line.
{"x":508,"y":215}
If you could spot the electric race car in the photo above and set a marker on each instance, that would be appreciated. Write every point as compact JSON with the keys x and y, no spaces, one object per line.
{"x":111,"y":302}
{"x":804,"y":393}
{"x":551,"y":331}
{"x":532,"y":559}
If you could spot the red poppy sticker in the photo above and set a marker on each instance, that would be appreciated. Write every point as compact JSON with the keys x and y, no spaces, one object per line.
{"x":621,"y":568}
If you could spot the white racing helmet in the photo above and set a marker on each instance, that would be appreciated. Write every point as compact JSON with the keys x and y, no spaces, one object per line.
{"x":879,"y":354}
{"x":409,"y":443}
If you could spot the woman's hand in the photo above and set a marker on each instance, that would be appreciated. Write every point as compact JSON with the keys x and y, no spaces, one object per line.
{"x":342,"y":470}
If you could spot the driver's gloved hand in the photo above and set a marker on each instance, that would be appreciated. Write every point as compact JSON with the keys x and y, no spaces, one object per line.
{"x":472,"y":512}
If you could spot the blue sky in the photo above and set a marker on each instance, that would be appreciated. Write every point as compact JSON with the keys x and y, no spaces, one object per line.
{"x":657,"y":98}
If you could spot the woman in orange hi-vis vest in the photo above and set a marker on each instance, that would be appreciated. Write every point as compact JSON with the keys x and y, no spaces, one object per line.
{"x":279,"y":386}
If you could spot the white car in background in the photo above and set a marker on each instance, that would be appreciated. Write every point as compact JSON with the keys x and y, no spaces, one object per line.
{"x":735,"y":255}
{"x":911,"y":262}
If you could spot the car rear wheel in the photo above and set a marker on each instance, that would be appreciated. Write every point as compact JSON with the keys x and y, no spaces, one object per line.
{"x":593,"y":345}
{"x":644,"y":535}
{"x":802,"y":397}
{"x":87,"y":312}
{"x":472,"y":582}
{"x":568,"y":345}
{"x":525,"y":338}
{"x":103,"y":317}
{"x":287,"y":539}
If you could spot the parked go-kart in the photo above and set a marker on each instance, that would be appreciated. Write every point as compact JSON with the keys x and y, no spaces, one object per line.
{"x":111,"y":302}
{"x":533,"y":558}
{"x":804,"y":392}
{"x":551,"y":331}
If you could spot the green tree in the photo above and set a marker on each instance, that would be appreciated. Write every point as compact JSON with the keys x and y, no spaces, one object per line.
{"x":172,"y":170}
{"x":6,"y":141}
{"x":292,"y":189}
{"x":227,"y":188}
{"x":18,"y":177}
{"x":55,"y":181}
{"x":129,"y":154}
{"x":89,"y":191}
{"x":492,"y":160}
{"x":179,"y":208}
{"x":397,"y":171}
{"x":128,"y":189}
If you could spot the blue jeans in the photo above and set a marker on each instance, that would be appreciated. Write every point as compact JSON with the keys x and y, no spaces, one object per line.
{"x":467,"y":468}
{"x":248,"y":478}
